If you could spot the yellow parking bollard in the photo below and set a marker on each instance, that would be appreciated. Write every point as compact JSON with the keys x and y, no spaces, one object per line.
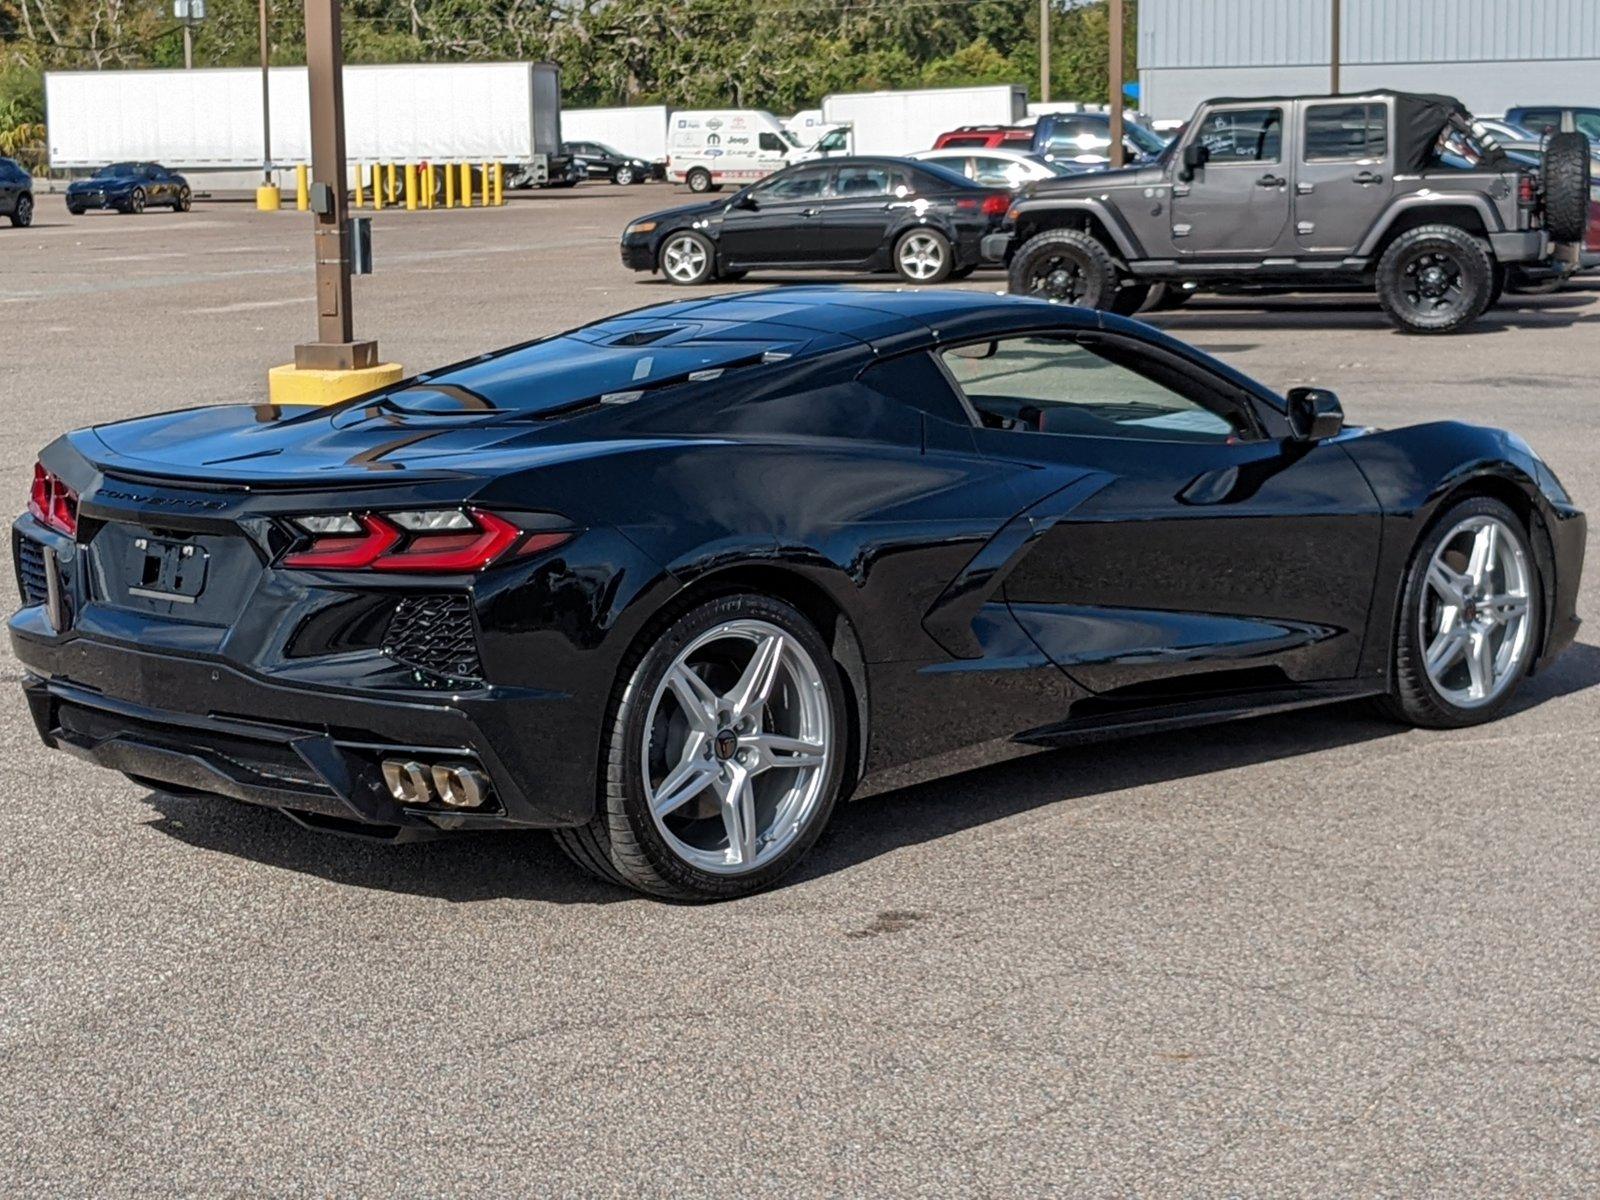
{"x":427,"y":185}
{"x":449,"y":185}
{"x":361,"y":186}
{"x":484,"y":191}
{"x":499,"y":184}
{"x":390,"y":182}
{"x":466,"y":186}
{"x":411,"y":187}
{"x":377,"y":186}
{"x":302,"y":188}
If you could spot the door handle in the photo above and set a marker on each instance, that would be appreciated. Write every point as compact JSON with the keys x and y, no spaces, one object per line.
{"x":1270,"y":181}
{"x":1367,"y":177}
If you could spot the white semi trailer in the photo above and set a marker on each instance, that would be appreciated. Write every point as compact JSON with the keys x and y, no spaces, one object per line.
{"x":210,"y":120}
{"x":905,"y":122}
{"x":639,"y":132}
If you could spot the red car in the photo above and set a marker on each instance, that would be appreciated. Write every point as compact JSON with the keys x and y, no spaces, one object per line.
{"x":989,"y":137}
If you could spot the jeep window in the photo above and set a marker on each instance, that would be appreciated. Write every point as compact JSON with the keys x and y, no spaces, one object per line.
{"x":1108,"y":388}
{"x":1346,"y":131}
{"x":1234,"y":135}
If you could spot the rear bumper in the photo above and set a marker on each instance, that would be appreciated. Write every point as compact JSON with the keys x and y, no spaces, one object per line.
{"x":1524,"y":246}
{"x":174,"y":720}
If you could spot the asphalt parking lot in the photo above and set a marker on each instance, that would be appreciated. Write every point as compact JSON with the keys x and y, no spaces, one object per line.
{"x":1309,"y":954}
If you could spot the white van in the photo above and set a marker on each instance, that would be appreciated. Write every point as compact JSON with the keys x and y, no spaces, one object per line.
{"x":707,"y":148}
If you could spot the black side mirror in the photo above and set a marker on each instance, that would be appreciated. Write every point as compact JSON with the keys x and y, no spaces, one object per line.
{"x":746,"y":201}
{"x":1195,"y":156}
{"x":1314,"y":414}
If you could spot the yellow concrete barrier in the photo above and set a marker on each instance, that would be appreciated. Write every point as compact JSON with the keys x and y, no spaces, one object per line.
{"x":499,"y":184}
{"x":268,"y":198}
{"x":466,"y":185}
{"x":302,"y":187}
{"x":411,"y":187}
{"x":290,"y":384}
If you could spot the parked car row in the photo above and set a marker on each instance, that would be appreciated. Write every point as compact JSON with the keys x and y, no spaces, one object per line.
{"x":1391,"y":192}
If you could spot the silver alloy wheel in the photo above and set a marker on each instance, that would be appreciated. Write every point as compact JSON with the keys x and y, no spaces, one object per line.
{"x":684,"y":258}
{"x":736,"y":748}
{"x":1475,"y":612}
{"x":921,"y":256}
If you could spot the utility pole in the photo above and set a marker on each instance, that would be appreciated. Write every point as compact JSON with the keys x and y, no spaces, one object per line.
{"x":1044,"y":50}
{"x":188,"y":47}
{"x":1334,"y":46}
{"x":266,"y":105}
{"x":1114,"y":59}
{"x":335,"y":348}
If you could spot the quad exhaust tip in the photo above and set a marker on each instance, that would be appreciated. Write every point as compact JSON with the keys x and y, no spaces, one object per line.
{"x":455,"y":785}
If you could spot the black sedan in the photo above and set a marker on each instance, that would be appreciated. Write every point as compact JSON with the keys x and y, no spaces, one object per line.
{"x":603,"y":162}
{"x":856,"y":214}
{"x":130,"y":187}
{"x":674,"y":582}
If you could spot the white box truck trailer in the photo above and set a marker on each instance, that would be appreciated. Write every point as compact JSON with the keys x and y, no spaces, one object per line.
{"x":905,"y":122}
{"x":638,"y":132}
{"x":211,"y":119}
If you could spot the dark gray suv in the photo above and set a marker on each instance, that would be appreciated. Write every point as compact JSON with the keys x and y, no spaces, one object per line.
{"x":1390,"y":191}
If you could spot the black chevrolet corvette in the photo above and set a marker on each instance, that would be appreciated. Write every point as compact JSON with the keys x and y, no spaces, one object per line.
{"x":670,"y":584}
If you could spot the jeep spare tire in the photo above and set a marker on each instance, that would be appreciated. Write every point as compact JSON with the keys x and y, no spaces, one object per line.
{"x":1566,"y":186}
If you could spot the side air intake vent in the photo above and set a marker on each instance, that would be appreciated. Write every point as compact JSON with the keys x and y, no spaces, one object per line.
{"x":434,"y":634}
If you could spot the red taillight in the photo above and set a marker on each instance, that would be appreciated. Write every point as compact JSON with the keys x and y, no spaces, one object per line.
{"x":411,"y":543}
{"x":53,"y":502}
{"x":996,"y":205}
{"x":1527,"y":194}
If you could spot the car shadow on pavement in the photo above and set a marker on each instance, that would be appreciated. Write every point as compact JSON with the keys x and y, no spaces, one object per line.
{"x":528,"y":866}
{"x":1246,"y":314}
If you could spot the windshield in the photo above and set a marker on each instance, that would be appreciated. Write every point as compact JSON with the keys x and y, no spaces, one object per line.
{"x":1149,"y":142}
{"x":790,"y":138}
{"x":117,"y":169}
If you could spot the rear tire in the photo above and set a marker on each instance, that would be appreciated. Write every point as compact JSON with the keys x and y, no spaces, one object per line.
{"x":699,"y":180}
{"x":1566,"y":186}
{"x":184,"y":202}
{"x":686,"y":850}
{"x":1164,"y":297}
{"x":1129,"y":299}
{"x":923,"y":256}
{"x":1065,"y":265}
{"x":1435,"y":279}
{"x":1426,"y":693}
{"x":22,"y":215}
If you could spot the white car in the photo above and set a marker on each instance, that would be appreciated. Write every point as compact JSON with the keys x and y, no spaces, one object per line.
{"x":995,"y":167}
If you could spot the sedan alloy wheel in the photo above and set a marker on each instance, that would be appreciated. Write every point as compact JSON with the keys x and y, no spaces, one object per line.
{"x":686,"y":258}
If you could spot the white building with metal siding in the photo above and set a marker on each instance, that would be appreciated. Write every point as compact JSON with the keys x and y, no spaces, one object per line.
{"x":1492,"y":54}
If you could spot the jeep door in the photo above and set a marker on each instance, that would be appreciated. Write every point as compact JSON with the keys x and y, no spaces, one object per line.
{"x":1238,"y":201}
{"x":1345,"y":174}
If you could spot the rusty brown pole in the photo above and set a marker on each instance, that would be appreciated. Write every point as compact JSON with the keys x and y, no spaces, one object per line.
{"x":1114,"y":58}
{"x":1044,"y":50}
{"x":335,"y":348}
{"x":1333,"y":56}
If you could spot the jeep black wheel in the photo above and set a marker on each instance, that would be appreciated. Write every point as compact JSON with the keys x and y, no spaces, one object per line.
{"x":1435,"y":279}
{"x":1066,"y":265}
{"x":1566,"y":186}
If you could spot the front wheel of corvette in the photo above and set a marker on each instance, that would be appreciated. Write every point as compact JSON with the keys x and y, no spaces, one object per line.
{"x":1469,"y":618}
{"x":724,"y":756}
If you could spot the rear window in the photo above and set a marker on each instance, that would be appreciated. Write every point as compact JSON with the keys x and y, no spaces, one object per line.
{"x":564,"y":373}
{"x":1341,"y":131}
